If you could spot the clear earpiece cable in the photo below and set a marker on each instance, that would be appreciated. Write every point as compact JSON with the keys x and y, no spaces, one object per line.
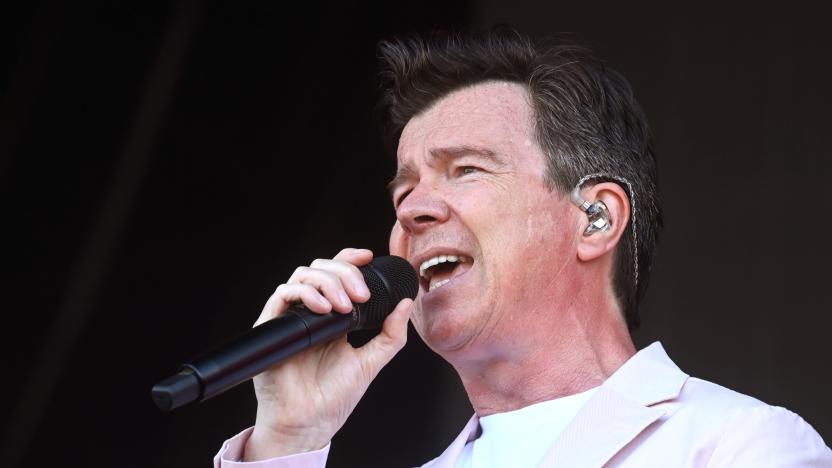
{"x":583,"y":204}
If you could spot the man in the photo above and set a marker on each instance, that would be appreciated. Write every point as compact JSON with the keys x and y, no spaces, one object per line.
{"x":526,"y":198}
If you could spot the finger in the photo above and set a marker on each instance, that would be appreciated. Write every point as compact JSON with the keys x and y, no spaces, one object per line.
{"x":359,"y":257}
{"x":327,"y":282}
{"x":381,"y":349}
{"x":398,"y":240}
{"x":349,"y":275}
{"x":288,"y":294}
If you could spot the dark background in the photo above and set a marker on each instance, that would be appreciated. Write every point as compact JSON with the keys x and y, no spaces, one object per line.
{"x":164,"y":166}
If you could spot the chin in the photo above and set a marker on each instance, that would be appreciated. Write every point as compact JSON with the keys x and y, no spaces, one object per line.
{"x":443,"y":336}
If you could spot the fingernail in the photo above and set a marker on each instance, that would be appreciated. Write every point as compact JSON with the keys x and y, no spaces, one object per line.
{"x":343,"y":298}
{"x":361,"y":288}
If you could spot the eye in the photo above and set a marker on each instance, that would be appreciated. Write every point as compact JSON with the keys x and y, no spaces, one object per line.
{"x":466,"y":170}
{"x":397,"y":201}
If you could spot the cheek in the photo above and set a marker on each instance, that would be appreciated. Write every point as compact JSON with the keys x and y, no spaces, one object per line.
{"x":549,"y":232}
{"x":517,"y":226}
{"x":544,"y":230}
{"x":534,"y":238}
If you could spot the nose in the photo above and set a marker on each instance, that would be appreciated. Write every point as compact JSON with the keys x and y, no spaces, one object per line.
{"x":422,"y":209}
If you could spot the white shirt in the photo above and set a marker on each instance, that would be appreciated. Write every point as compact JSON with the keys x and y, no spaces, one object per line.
{"x":692,"y":423}
{"x":521,"y":437}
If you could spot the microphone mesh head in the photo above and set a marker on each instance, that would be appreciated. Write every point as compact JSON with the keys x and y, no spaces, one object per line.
{"x":390,"y":279}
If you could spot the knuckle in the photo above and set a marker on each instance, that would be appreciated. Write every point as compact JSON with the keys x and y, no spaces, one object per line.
{"x":353,"y":270}
{"x":328,"y":278}
{"x":401,"y":341}
{"x":305,"y":289}
{"x":394,"y":342}
{"x":331,"y":277}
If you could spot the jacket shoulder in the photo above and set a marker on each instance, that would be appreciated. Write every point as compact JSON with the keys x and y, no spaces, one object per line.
{"x":744,"y":431}
{"x":713,"y":398}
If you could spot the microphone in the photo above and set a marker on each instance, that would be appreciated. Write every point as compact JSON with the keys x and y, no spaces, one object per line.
{"x":389,"y":279}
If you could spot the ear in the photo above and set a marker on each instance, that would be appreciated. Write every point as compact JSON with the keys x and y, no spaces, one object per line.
{"x":599,"y":243}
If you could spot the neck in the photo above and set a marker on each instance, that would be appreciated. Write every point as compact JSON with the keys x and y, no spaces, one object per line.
{"x":548,"y":360}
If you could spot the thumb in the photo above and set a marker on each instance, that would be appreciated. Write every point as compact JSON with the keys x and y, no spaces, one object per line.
{"x":380,"y":350}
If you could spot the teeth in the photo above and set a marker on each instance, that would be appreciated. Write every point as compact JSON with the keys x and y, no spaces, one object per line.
{"x":437,"y":260}
{"x":439,"y":284}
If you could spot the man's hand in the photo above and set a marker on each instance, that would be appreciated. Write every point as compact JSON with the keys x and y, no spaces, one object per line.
{"x":302,"y":402}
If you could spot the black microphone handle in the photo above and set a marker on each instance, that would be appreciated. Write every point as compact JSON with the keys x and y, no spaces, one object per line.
{"x":389,"y":279}
{"x":252,"y":353}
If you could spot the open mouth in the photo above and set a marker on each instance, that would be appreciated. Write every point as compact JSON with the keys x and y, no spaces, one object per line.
{"x":441,"y":269}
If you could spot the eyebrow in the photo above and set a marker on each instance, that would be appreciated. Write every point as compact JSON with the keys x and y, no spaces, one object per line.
{"x":448,"y":153}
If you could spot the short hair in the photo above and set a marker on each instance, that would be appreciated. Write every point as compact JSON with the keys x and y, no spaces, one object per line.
{"x":586,"y":120}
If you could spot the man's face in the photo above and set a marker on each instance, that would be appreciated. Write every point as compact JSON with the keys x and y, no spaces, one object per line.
{"x":470,"y":194}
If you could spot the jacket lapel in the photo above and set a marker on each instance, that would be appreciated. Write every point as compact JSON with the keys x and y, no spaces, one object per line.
{"x":604,"y":426}
{"x":619,"y":411}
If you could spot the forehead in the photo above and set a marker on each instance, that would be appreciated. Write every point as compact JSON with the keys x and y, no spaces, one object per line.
{"x":492,"y":115}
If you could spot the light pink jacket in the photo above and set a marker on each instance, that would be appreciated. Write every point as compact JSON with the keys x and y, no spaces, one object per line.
{"x":647,"y":414}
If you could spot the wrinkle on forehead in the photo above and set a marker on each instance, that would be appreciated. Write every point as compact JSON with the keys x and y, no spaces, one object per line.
{"x":504,"y":105}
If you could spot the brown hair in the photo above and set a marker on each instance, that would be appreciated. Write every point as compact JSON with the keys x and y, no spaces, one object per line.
{"x":586,"y":120}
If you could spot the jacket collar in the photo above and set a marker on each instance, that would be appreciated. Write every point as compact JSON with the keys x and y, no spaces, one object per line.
{"x":620,"y":410}
{"x":648,"y":378}
{"x":617,"y":413}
